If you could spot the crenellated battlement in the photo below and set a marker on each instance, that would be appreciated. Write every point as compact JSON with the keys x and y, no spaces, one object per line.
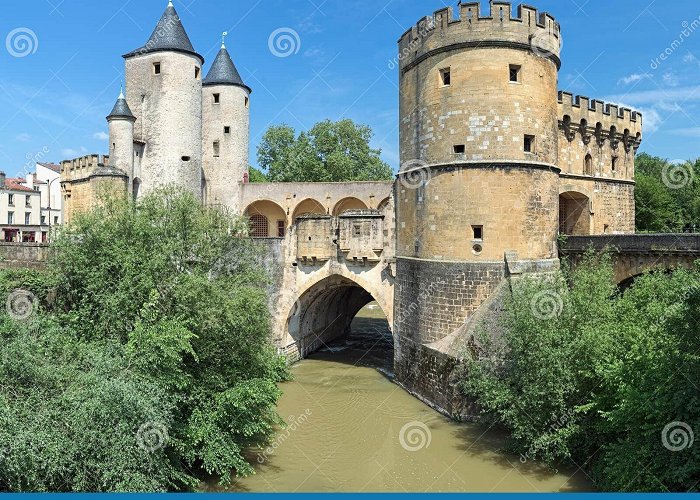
{"x":595,"y":118}
{"x":86,"y":167}
{"x":525,"y":29}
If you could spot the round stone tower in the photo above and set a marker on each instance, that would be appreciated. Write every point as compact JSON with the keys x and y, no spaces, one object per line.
{"x":164,"y":92}
{"x":226,"y":132}
{"x":121,"y":138}
{"x":477,"y":194}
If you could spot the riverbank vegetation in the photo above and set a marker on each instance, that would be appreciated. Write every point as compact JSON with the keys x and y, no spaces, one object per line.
{"x":583,"y":374}
{"x":141,"y":358}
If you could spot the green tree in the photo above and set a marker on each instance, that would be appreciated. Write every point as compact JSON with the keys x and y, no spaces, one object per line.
{"x":329,"y":152}
{"x":153,"y":325}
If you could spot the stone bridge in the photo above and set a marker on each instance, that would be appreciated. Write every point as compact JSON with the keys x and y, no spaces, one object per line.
{"x":634,"y":254}
{"x":330,"y":247}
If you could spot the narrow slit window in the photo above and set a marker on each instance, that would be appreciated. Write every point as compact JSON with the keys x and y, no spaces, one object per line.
{"x":217,"y":149}
{"x":247,"y":102}
{"x":459,"y":149}
{"x":529,"y":144}
{"x":445,"y":77}
{"x":515,"y":73}
{"x":196,"y":72}
{"x":156,"y":68}
{"x":614,"y":164}
{"x":217,"y":98}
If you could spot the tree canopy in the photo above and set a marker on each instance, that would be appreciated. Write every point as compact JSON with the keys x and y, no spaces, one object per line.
{"x":146,"y":356}
{"x":329,"y":152}
{"x":667,"y":195}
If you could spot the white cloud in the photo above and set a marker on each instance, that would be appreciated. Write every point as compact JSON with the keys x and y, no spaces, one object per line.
{"x":687,"y":132}
{"x":100,"y":136}
{"x":651,"y":120}
{"x":671,"y":107}
{"x":24,"y":137}
{"x":636,"y":77}
{"x":670,"y":79}
{"x":652,"y":97}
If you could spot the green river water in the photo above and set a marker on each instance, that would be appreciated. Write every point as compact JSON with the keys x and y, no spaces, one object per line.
{"x":353,"y":430}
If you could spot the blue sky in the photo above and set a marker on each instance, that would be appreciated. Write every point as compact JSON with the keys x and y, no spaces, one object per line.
{"x":53,"y":100}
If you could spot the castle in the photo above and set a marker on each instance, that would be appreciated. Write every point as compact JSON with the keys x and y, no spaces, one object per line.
{"x":496,"y":164}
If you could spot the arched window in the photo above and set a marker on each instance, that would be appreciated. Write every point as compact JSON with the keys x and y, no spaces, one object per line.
{"x":259,"y":226}
{"x":588,"y":165}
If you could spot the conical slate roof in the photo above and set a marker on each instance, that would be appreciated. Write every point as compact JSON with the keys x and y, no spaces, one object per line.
{"x":224,"y":72}
{"x":169,"y":35}
{"x":121,"y":109}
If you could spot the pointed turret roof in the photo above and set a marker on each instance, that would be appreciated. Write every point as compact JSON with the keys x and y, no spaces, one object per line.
{"x":169,"y":35}
{"x":224,"y":72}
{"x":121,"y":109}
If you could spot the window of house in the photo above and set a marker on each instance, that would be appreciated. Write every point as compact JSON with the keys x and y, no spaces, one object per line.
{"x":10,"y":217}
{"x":280,"y":229}
{"x":227,"y":130}
{"x":478,"y":232}
{"x":515,"y":73}
{"x":217,"y":98}
{"x":28,"y":201}
{"x":445,"y":77}
{"x":197,"y":70}
{"x":55,"y":219}
{"x":529,"y":144}
{"x":43,"y":220}
{"x":11,"y":199}
{"x":156,"y":68}
{"x":217,"y":149}
{"x":459,"y":149}
{"x":27,"y":218}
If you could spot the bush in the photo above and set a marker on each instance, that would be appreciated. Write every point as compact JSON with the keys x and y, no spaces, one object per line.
{"x":151,"y":356}
{"x":584,"y":373}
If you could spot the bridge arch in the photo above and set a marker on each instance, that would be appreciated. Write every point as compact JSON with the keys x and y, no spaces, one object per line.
{"x":267,"y":219}
{"x":324,"y":309}
{"x":349,"y":203}
{"x":308,"y":206}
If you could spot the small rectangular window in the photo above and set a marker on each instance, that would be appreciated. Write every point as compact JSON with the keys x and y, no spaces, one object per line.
{"x":11,"y":199}
{"x":247,"y":102}
{"x":196,"y":72}
{"x":217,"y":98}
{"x":529,"y":145}
{"x":156,"y":68}
{"x":459,"y":149}
{"x":445,"y":77}
{"x":515,"y":73}
{"x":55,"y":220}
{"x":478,"y":232}
{"x":614,"y":164}
{"x":27,"y":219}
{"x":10,"y":217}
{"x":217,"y":149}
{"x":28,"y":201}
{"x":280,"y":229}
{"x":227,"y":130}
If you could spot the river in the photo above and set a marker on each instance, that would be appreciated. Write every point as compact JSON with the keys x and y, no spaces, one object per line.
{"x":353,"y":430}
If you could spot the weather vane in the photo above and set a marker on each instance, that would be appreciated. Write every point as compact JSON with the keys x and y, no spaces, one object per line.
{"x":223,"y":39}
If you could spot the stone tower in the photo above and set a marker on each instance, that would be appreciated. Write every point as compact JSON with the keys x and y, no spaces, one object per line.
{"x":478,"y":189}
{"x":121,"y":138}
{"x":164,"y":92}
{"x":226,"y":132}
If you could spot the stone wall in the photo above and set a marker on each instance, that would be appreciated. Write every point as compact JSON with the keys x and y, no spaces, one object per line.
{"x":23,"y":255}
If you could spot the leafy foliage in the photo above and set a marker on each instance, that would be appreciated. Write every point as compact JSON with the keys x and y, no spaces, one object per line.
{"x":329,"y":152}
{"x":666,"y":195}
{"x":597,"y":378}
{"x":153,"y":324}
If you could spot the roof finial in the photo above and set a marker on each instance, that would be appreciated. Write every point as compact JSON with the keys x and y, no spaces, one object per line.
{"x":223,"y":39}
{"x":170,"y":3}
{"x":121,"y":90}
